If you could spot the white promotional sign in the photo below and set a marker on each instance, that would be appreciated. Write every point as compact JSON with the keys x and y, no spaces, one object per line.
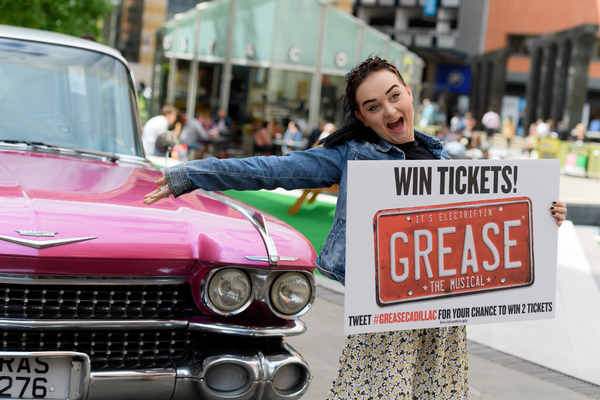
{"x":441,"y":243}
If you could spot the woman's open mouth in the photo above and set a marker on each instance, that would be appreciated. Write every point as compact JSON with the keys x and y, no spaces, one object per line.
{"x":397,"y":125}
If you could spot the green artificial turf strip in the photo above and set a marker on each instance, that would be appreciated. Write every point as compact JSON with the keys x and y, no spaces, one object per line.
{"x":313,"y":220}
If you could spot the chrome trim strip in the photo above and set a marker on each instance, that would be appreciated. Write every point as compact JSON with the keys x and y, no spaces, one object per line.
{"x":263,"y":258}
{"x":257,"y":220}
{"x":127,"y":384}
{"x":228,"y":329}
{"x":17,"y":324}
{"x":37,"y":244}
{"x":91,"y":280}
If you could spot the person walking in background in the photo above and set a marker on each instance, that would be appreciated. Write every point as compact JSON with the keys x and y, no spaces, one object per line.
{"x":427,"y":114}
{"x":531,"y":141}
{"x":455,"y":123}
{"x":377,"y":125}
{"x":158,"y":125}
{"x":508,"y":130}
{"x":491,"y":122}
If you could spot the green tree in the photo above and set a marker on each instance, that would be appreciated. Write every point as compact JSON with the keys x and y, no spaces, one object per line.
{"x":73,"y":17}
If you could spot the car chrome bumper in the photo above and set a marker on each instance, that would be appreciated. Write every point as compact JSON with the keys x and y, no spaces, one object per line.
{"x":281,"y":375}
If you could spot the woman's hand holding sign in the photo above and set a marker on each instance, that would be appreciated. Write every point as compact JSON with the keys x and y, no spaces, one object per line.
{"x":558,"y":211}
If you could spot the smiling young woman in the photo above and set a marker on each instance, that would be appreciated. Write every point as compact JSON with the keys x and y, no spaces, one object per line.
{"x":378,"y":125}
{"x":388,"y":112}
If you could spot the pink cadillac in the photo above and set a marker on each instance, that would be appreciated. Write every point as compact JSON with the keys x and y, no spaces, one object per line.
{"x":102,"y":297}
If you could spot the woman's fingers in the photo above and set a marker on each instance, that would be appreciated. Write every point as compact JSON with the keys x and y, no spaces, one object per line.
{"x":162,"y":181}
{"x":158,"y":194}
{"x":558,"y":211}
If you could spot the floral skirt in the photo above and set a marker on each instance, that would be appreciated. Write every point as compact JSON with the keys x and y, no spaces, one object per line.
{"x":415,"y":364}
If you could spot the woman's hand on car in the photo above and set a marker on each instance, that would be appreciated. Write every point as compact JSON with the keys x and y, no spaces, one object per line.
{"x":162,"y":192}
{"x":558,"y":211}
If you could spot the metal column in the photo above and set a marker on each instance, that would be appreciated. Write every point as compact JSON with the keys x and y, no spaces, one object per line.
{"x":193,"y":79}
{"x":226,"y":80}
{"x":317,"y":78}
{"x":173,"y":62}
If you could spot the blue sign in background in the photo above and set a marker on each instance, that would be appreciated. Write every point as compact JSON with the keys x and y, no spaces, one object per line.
{"x":453,"y":79}
{"x":430,"y":8}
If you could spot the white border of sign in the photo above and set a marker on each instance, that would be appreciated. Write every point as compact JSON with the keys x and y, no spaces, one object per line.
{"x":373,"y":186}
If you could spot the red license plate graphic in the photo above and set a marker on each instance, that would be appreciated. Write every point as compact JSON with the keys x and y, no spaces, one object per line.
{"x":430,"y":252}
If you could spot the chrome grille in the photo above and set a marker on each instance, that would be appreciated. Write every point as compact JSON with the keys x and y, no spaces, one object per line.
{"x":93,"y":301}
{"x":106,"y":349}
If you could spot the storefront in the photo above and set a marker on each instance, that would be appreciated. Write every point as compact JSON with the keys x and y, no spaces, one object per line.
{"x":267,"y":60}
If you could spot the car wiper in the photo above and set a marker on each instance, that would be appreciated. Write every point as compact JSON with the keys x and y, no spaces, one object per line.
{"x":110,"y":156}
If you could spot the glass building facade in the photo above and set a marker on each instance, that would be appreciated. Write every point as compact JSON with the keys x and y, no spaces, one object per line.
{"x":267,"y":59}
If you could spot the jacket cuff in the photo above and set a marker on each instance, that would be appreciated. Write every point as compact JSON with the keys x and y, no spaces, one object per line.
{"x":177,"y":180}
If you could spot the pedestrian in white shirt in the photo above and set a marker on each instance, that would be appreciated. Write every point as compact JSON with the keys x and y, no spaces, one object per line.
{"x":157,"y":125}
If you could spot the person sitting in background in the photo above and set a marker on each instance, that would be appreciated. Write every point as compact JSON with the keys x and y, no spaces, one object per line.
{"x":328,"y":129}
{"x":158,"y":125}
{"x":314,"y":135}
{"x":291,"y":134}
{"x":594,"y":124}
{"x":223,"y":123}
{"x":578,"y":133}
{"x":195,"y":136}
{"x":562,"y":131}
{"x":263,"y":143}
{"x":224,"y":128}
{"x":542,"y":129}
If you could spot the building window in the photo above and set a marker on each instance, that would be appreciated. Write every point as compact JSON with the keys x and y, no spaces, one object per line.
{"x":130,"y":29}
{"x":382,"y":21}
{"x":180,"y":6}
{"x":519,"y":44}
{"x":596,"y":50}
{"x":421,"y":23}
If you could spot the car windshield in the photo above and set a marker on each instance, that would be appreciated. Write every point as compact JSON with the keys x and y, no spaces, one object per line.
{"x":65,"y":96}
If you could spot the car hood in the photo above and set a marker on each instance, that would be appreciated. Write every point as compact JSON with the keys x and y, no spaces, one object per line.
{"x":81,"y":198}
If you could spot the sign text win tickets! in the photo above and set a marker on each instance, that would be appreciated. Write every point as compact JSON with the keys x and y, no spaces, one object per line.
{"x":442,"y":243}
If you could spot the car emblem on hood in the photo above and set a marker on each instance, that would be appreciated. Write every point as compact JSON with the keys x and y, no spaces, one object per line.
{"x":36,"y":244}
{"x":36,"y":233}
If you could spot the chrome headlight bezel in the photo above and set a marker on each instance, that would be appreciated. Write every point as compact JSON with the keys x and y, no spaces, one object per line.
{"x":261,"y":281}
{"x":271,"y":284}
{"x":207,"y":289}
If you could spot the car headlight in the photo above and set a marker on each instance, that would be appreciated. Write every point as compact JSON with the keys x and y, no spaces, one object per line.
{"x":291,"y":292}
{"x":229,"y":290}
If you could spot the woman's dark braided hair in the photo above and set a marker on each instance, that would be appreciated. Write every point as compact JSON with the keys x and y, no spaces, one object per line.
{"x":352,"y":128}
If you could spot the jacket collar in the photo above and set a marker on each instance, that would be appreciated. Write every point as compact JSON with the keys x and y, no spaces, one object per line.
{"x":429,"y":141}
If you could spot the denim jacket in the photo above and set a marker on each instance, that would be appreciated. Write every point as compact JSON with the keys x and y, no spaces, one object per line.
{"x":311,"y":169}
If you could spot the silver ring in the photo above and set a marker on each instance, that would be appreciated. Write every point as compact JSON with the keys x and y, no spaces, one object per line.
{"x":163,"y":188}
